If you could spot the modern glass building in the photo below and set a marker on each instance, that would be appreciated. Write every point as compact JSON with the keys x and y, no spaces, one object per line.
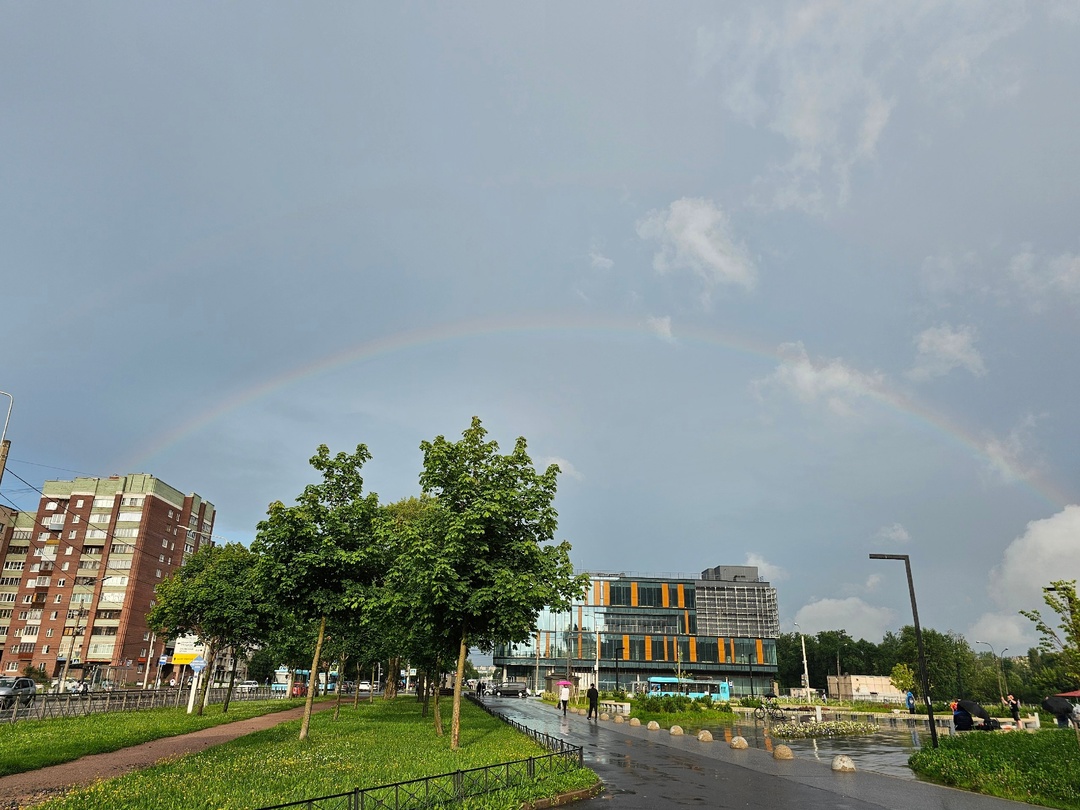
{"x":626,"y":628}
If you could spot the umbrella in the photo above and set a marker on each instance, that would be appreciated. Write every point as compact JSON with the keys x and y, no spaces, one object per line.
{"x":1057,"y":706}
{"x":974,"y":709}
{"x":566,"y":683}
{"x":1075,"y":693}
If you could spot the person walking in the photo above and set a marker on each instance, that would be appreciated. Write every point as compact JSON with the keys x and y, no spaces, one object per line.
{"x":594,"y":702}
{"x":564,"y":697}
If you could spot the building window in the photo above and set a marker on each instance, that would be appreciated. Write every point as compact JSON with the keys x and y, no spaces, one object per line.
{"x":103,"y":503}
{"x":157,"y":573}
{"x":75,"y":518}
{"x":59,"y":599}
{"x":68,"y":550}
{"x":161,"y":558}
{"x":48,"y":633}
{"x":164,"y":543}
{"x":50,"y":505}
{"x":12,"y":666}
{"x":71,"y":535}
{"x":79,"y":503}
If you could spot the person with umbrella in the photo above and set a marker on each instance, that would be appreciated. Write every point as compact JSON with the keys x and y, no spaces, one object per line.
{"x":1060,"y":707}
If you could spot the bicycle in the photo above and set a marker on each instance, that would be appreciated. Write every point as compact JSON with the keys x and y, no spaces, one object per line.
{"x":769,"y":707}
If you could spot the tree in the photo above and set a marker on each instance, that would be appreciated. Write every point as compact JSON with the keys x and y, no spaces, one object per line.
{"x":902,"y":678}
{"x":484,"y":561}
{"x":1061,"y":597}
{"x":214,"y":596}
{"x":316,"y":556}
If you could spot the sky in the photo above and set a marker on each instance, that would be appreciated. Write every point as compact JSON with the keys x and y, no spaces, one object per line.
{"x":776,"y":284}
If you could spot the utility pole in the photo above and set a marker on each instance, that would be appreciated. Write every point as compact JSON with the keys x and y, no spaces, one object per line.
{"x":4,"y":443}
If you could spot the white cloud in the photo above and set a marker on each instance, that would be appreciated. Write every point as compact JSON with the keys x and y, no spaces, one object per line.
{"x":860,"y":619}
{"x":770,"y":572}
{"x":825,"y":77}
{"x":661,"y":327}
{"x":694,"y":234}
{"x":565,"y":467}
{"x":943,"y":348}
{"x":811,"y":381}
{"x":1048,"y":550}
{"x":1007,"y":459}
{"x":895,"y":533}
{"x":1045,"y":280}
{"x":600,"y":261}
{"x":872,"y":582}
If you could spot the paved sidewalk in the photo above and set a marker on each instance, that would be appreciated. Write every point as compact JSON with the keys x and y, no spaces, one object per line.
{"x":644,"y":770}
{"x":23,"y":790}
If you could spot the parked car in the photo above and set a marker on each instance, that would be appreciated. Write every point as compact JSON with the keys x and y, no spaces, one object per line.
{"x":510,"y":689}
{"x":363,"y":686}
{"x":16,"y":690}
{"x":247,"y":686}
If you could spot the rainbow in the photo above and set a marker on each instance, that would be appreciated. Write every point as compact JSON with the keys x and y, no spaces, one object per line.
{"x":406,"y":341}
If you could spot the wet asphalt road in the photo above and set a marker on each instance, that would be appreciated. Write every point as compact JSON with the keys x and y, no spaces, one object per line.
{"x":643,"y":770}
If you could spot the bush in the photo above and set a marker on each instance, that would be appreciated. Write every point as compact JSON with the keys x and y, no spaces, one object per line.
{"x":1040,"y":768}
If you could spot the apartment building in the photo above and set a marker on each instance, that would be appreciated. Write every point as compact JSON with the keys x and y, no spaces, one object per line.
{"x":77,"y":578}
{"x":722,"y":625}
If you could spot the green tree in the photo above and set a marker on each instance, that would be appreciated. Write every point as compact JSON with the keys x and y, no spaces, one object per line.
{"x":486,"y":565}
{"x":318,"y":556}
{"x":902,"y":678}
{"x":214,"y":596}
{"x":1064,"y":639}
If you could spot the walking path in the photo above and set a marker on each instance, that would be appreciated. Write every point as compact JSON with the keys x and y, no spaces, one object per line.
{"x":23,"y":790}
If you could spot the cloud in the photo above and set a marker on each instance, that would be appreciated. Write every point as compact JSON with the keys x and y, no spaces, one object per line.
{"x":661,"y":327}
{"x":827,"y":76}
{"x":811,"y":381}
{"x":768,"y":571}
{"x":565,"y":467}
{"x":860,"y":619}
{"x":942,"y":349}
{"x":895,"y":533}
{"x":1047,"y":550}
{"x":1007,"y":458}
{"x":600,"y":261}
{"x":1045,"y":280}
{"x":694,"y":234}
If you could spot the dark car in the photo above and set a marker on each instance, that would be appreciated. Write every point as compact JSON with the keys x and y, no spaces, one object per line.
{"x":16,"y":691}
{"x":510,"y":689}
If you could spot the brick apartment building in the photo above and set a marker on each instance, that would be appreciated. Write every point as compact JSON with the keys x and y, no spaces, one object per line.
{"x":77,"y":578}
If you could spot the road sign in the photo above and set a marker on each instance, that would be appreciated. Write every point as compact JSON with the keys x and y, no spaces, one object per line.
{"x":163,"y":660}
{"x":198,"y":664}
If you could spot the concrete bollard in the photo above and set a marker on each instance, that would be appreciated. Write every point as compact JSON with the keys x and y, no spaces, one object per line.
{"x":620,"y":719}
{"x":704,"y":735}
{"x":675,"y":731}
{"x":842,"y":763}
{"x":653,"y":726}
{"x":634,"y":721}
{"x":782,"y":752}
{"x":605,"y":716}
{"x":739,"y":743}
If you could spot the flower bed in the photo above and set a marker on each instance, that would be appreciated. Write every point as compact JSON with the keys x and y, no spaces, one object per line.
{"x":829,"y":728}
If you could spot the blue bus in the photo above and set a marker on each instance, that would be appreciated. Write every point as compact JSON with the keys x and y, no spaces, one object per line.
{"x":715,"y":690}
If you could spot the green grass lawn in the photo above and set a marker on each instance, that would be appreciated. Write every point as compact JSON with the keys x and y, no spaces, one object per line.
{"x":32,"y":744}
{"x":374,"y":744}
{"x":1039,"y":768}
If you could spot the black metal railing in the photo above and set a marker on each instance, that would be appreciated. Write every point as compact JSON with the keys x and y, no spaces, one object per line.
{"x":451,"y":788}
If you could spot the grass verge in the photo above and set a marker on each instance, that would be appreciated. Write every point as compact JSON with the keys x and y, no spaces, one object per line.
{"x":32,"y":744}
{"x":374,"y":744}
{"x":1041,"y":768}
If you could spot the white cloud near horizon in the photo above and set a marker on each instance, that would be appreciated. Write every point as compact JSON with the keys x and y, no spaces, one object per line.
{"x":660,"y":326}
{"x":565,"y":467}
{"x":894,"y":533}
{"x":944,"y":348}
{"x":1047,"y":550}
{"x":694,"y":234}
{"x":1044,"y":280}
{"x":810,"y":381}
{"x":600,"y":261}
{"x":1008,"y":459}
{"x":860,"y":619}
{"x":771,"y":573}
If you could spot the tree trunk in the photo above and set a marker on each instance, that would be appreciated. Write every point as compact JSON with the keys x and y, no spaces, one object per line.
{"x":435,"y":686}
{"x":232,"y":682}
{"x":312,"y":673}
{"x":394,"y":667}
{"x":455,"y":723}
{"x":204,"y":692}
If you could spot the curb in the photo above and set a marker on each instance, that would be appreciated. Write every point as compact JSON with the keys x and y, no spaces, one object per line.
{"x":566,"y":798}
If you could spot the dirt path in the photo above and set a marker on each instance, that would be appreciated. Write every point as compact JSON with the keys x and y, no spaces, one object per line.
{"x":22,"y":790}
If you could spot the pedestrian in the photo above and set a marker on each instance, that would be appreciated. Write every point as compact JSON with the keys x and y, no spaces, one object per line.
{"x":594,"y":702}
{"x":910,"y":702}
{"x":1014,"y":709}
{"x":564,"y":697}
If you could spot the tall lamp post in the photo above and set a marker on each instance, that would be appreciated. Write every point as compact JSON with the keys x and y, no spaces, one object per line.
{"x":997,"y":669}
{"x":4,"y":444}
{"x":805,"y":668}
{"x":918,"y":640}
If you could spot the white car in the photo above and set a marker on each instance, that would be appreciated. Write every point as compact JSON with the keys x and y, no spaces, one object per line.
{"x":247,"y":686}
{"x":363,"y":686}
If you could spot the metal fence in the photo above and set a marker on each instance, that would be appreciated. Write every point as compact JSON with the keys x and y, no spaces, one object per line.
{"x":448,"y":789}
{"x":46,"y":705}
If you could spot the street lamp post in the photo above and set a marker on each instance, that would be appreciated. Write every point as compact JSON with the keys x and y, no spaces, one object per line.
{"x":3,"y":433}
{"x":805,"y":668}
{"x":918,"y":640}
{"x":71,"y":650}
{"x":997,"y":669}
